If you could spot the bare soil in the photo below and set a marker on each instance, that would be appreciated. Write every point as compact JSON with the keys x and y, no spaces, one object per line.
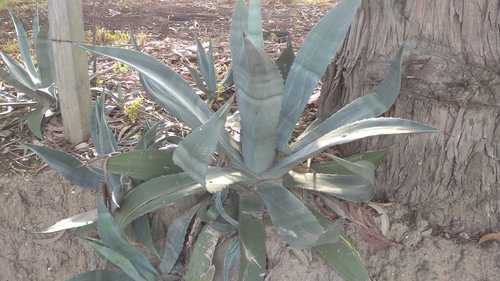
{"x":33,"y":198}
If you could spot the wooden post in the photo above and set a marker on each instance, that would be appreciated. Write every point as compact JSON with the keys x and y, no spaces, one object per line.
{"x":72,"y":76}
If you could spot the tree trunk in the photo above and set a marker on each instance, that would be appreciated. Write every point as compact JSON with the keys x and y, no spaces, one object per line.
{"x":451,"y":80}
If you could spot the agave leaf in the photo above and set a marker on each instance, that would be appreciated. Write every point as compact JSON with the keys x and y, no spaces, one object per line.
{"x":197,"y":79}
{"x":311,"y":62}
{"x":102,"y":136}
{"x":154,"y":194}
{"x":112,"y":238}
{"x":117,"y":259}
{"x":143,"y":234}
{"x":175,"y":239}
{"x":157,"y":233}
{"x":348,"y":187}
{"x":170,"y":91}
{"x":153,"y":164}
{"x":239,"y":26}
{"x":252,"y":238}
{"x":36,"y":25}
{"x":161,"y":83}
{"x":34,"y":119}
{"x":293,"y":221}
{"x":259,"y":93}
{"x":69,"y":167}
{"x":342,"y":255}
{"x":100,"y":275}
{"x":367,"y":106}
{"x":74,"y":221}
{"x":11,"y":80}
{"x":231,"y":253}
{"x":200,"y":265}
{"x":45,"y":57}
{"x":206,"y":64}
{"x":149,"y":139}
{"x":194,"y":153}
{"x":356,"y":130}
{"x":255,"y":23}
{"x":24,"y":47}
{"x":332,"y":167}
{"x":165,"y":190}
{"x":285,"y":60}
{"x":18,"y":72}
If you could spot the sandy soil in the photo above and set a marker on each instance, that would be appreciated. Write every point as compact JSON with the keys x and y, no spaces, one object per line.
{"x":33,"y":201}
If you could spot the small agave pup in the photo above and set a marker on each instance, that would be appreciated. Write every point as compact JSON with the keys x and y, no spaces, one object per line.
{"x":258,"y":168}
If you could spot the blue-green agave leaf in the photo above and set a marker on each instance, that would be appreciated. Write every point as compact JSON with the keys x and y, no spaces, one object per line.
{"x":34,"y":120}
{"x":348,"y":187}
{"x":293,"y":221}
{"x":342,"y":255}
{"x":79,"y":220}
{"x":311,"y":62}
{"x":194,"y":153}
{"x":112,"y":238}
{"x":232,"y":252}
{"x":143,"y":164}
{"x":239,"y":26}
{"x":206,"y":64}
{"x":11,"y":80}
{"x":36,"y":25}
{"x":161,"y":83}
{"x":368,"y":106}
{"x":259,"y":89}
{"x":332,"y":167}
{"x":149,"y":138}
{"x":175,"y":239}
{"x":24,"y":47}
{"x":101,"y":275}
{"x":356,"y":130}
{"x":117,"y":259}
{"x":45,"y":57}
{"x":18,"y":72}
{"x":252,"y":238}
{"x":143,"y":233}
{"x":69,"y":167}
{"x":255,"y":23}
{"x":178,"y":98}
{"x":200,"y":265}
{"x":102,"y":136}
{"x":197,"y":79}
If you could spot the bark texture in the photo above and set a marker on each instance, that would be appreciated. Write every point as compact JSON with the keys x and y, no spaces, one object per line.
{"x":451,"y":80}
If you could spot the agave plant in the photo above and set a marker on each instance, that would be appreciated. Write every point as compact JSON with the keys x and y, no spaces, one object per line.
{"x":34,"y":80}
{"x":255,"y":171}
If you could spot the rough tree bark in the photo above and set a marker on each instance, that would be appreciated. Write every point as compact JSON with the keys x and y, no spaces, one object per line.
{"x":451,"y":80}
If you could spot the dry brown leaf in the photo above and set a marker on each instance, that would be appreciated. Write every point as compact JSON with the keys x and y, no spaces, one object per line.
{"x":489,"y":237}
{"x":49,"y":240}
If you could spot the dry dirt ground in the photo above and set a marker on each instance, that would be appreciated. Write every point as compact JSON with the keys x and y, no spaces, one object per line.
{"x":33,"y":200}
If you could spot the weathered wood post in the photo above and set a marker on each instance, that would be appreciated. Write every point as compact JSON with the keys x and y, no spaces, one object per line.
{"x":72,"y":77}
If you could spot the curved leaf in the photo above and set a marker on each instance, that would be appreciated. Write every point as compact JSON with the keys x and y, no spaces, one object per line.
{"x":368,"y":106}
{"x":206,"y":64}
{"x":239,"y":26}
{"x":356,"y":130}
{"x":252,"y":238}
{"x":348,"y":187}
{"x":18,"y":72}
{"x":259,"y":93}
{"x":11,"y":80}
{"x":255,"y":23}
{"x":112,"y":238}
{"x":175,"y":239}
{"x":69,"y":167}
{"x":311,"y":62}
{"x":102,"y":136}
{"x":194,"y":153}
{"x":45,"y":57}
{"x":201,"y":267}
{"x":24,"y":47}
{"x":143,"y":164}
{"x":74,"y":221}
{"x":293,"y":221}
{"x":332,"y":167}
